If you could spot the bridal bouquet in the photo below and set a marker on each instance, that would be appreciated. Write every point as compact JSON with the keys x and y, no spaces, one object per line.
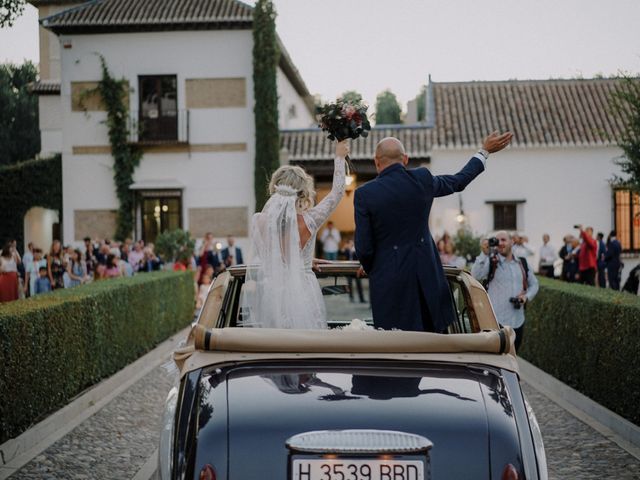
{"x":343,"y":119}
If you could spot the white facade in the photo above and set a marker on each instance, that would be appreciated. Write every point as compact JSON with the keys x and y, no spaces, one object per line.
{"x":215,"y":171}
{"x":558,"y":188}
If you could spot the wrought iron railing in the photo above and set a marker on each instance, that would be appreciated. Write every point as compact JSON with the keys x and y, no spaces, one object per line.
{"x":167,"y":128}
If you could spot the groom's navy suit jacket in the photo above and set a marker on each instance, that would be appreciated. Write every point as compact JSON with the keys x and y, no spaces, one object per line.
{"x":395,"y":246}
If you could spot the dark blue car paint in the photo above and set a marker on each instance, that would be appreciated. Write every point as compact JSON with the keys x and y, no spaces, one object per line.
{"x":241,"y":414}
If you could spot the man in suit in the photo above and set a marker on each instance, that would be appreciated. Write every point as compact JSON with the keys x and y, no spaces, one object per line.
{"x":614,"y":264}
{"x":407,"y":285}
{"x":231,"y":255}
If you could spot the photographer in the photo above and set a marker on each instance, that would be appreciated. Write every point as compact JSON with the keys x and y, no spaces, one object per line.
{"x":509,"y":281}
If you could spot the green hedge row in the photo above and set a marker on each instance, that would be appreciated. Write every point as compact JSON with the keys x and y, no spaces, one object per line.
{"x":54,"y":346}
{"x":589,"y":338}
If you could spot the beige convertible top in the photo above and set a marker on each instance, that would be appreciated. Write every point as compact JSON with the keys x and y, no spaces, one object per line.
{"x":208,"y":347}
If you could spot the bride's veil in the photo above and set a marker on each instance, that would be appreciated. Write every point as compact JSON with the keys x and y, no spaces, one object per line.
{"x":273,"y":294}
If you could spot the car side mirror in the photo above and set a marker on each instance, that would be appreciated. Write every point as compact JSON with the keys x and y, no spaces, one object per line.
{"x":335,"y":290}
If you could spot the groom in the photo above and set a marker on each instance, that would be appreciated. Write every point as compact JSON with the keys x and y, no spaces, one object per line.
{"x":407,"y":285}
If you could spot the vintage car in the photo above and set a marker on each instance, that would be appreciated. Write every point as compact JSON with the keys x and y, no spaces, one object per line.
{"x":348,"y":403}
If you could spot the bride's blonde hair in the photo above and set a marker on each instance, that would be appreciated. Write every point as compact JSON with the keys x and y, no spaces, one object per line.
{"x":294,"y":177}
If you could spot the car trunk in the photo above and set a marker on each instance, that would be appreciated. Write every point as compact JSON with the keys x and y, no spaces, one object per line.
{"x":463,"y":411}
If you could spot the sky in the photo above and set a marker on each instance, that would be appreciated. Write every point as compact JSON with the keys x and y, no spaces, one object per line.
{"x":373,"y":45}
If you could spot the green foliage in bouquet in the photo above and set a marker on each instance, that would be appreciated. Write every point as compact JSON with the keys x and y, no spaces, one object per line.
{"x":175,"y":245}
{"x":265,"y":64}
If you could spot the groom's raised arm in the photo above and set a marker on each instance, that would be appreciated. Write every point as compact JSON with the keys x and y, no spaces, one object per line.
{"x":364,"y":243}
{"x":448,"y":184}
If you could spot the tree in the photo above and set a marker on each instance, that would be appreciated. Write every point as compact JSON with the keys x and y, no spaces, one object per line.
{"x":20,"y":134}
{"x":625,"y":104}
{"x":421,"y":100}
{"x":387,"y":109}
{"x":265,"y":64}
{"x":10,"y":10}
{"x":351,"y":96}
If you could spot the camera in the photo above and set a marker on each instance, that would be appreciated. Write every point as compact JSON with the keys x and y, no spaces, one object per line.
{"x":493,"y":242}
{"x":516,"y":302}
{"x":577,"y":226}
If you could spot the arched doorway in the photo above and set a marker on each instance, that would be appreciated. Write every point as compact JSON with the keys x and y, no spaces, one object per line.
{"x":41,"y":226}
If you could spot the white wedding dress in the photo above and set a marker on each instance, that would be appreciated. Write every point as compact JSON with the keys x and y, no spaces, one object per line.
{"x":280,"y":289}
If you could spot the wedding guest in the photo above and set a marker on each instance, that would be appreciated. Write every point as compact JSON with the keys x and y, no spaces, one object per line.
{"x":547,"y":257}
{"x":89,"y":258}
{"x":42,"y":284}
{"x":113,"y":269}
{"x":614,"y":264}
{"x":231,"y":255}
{"x":568,"y":256}
{"x":150,"y":262}
{"x":9,"y":285}
{"x":136,"y":255}
{"x":32,"y":272}
{"x":203,"y":290}
{"x":27,"y":258}
{"x":520,"y":247}
{"x":349,"y":253}
{"x":55,"y":265}
{"x":330,"y":239}
{"x":75,"y":274}
{"x":587,"y":257}
{"x":602,"y":263}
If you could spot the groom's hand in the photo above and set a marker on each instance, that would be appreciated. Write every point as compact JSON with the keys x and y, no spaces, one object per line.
{"x":496,"y":142}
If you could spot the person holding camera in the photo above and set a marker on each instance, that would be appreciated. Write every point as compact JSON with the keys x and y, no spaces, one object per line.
{"x":588,"y":256}
{"x":509,"y":281}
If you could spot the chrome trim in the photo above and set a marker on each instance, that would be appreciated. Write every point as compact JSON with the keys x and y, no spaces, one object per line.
{"x":358,"y":441}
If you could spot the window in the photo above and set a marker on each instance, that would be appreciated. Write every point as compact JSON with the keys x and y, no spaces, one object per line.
{"x":160,"y":211}
{"x":505,"y":216}
{"x":158,"y":108}
{"x":627,"y":219}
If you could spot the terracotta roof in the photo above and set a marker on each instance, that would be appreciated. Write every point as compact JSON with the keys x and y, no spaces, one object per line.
{"x":549,"y":113}
{"x":539,"y":112}
{"x":97,"y":16}
{"x":312,"y":144}
{"x":45,"y":87}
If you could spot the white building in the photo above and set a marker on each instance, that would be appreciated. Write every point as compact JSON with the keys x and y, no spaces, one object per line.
{"x":556,"y":174}
{"x":189,"y":69}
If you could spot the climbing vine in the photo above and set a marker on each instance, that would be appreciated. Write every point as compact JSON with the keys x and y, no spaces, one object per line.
{"x":126,"y":156}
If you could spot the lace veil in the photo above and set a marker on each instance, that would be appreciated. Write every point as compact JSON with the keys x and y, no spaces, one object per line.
{"x":274,"y":293}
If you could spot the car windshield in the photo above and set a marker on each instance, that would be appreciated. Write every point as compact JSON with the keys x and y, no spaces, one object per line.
{"x":346,"y":298}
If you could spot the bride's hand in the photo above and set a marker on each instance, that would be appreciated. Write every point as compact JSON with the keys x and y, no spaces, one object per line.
{"x":342,"y":148}
{"x":317,"y":262}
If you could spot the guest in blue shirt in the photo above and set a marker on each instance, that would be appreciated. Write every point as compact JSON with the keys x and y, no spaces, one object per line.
{"x":42,"y":285}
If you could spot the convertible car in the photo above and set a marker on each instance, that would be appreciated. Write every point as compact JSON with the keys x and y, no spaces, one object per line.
{"x":350,"y":402}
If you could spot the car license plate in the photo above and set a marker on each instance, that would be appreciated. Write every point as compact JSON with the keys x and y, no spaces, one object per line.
{"x":357,"y":469}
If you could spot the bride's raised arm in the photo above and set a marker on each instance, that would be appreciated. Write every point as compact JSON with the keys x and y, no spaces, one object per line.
{"x":323,"y":209}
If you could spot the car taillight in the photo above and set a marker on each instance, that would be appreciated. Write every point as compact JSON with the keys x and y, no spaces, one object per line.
{"x":207,"y":473}
{"x":510,"y":473}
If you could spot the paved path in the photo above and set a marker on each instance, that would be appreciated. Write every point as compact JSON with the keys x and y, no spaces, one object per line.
{"x":116,"y":442}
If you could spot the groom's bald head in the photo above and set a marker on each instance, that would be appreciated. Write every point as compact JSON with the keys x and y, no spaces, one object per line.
{"x":389,"y":151}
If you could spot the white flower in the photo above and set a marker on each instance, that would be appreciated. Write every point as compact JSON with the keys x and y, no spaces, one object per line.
{"x":357,"y":324}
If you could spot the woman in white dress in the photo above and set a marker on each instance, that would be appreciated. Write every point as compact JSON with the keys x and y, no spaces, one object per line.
{"x":281,"y":290}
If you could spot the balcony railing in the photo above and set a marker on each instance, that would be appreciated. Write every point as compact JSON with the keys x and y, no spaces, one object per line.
{"x":166,"y":128}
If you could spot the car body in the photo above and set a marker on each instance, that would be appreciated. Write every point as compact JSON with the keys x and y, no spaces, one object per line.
{"x":348,"y":404}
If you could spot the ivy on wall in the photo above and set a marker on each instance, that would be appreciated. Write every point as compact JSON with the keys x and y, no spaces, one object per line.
{"x":34,"y":183}
{"x":265,"y":63}
{"x":126,"y":156}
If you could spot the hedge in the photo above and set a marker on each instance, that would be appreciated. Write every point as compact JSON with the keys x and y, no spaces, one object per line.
{"x":55,"y":345}
{"x":588,"y":338}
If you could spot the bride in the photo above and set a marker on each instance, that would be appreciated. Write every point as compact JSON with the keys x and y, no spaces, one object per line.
{"x":281,"y":290}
